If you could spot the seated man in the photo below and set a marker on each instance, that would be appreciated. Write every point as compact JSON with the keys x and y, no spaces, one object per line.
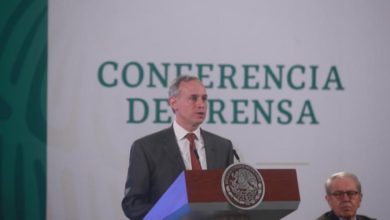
{"x":343,"y":194}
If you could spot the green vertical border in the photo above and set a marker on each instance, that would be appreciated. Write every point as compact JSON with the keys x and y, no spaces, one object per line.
{"x":23,"y":98}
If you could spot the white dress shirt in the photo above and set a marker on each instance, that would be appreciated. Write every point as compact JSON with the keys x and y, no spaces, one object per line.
{"x":184,"y":146}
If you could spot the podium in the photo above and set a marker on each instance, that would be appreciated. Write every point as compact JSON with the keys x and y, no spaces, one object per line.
{"x":197,"y":195}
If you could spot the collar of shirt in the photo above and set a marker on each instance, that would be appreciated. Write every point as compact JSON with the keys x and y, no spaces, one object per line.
{"x":352,"y":219}
{"x":183,"y":143}
{"x":180,"y":132}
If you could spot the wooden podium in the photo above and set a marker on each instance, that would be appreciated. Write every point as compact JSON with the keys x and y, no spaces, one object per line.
{"x":198,"y":195}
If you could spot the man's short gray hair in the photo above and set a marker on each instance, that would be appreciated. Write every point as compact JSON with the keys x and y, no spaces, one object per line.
{"x":174,"y":87}
{"x":342,"y":174}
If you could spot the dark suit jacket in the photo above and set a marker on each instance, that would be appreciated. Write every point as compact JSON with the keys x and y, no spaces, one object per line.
{"x":331,"y":216}
{"x":155,"y":162}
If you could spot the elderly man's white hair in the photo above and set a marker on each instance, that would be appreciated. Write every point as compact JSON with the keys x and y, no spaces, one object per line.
{"x":339,"y":175}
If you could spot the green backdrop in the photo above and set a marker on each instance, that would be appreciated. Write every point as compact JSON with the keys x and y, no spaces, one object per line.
{"x":23,"y":82}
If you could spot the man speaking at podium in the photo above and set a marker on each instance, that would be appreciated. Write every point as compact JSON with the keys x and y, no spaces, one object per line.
{"x":157,"y":159}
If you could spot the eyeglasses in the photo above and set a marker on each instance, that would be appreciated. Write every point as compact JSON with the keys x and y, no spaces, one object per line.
{"x":340,"y":194}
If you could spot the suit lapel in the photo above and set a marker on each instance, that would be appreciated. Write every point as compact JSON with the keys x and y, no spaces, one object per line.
{"x":172,"y":149}
{"x":210,"y":150}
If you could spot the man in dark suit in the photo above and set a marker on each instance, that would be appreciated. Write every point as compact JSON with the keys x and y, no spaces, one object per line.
{"x":344,"y":195}
{"x":157,"y":159}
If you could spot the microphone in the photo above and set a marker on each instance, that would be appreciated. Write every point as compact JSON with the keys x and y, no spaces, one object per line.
{"x":236,"y":155}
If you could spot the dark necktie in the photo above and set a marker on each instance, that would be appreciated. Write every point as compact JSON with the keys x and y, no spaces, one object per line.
{"x":195,"y":163}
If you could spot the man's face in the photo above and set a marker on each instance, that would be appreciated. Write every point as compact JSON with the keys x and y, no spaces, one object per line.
{"x":342,"y":204}
{"x":190,"y":105}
